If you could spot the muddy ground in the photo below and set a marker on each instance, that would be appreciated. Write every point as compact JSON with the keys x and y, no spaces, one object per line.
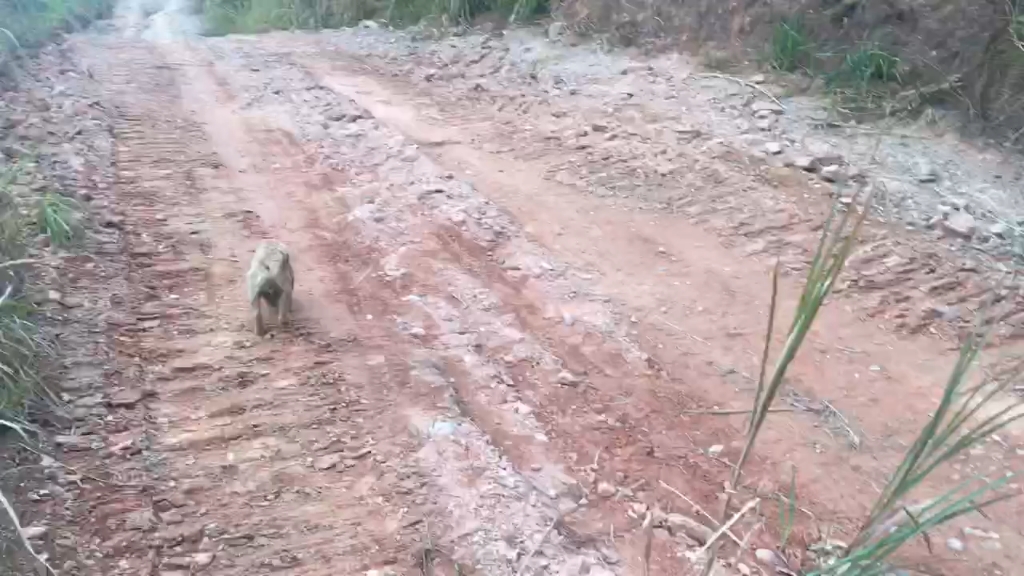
{"x":523,"y":269}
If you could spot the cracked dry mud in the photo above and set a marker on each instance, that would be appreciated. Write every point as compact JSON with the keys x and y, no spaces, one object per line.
{"x":518,"y":266}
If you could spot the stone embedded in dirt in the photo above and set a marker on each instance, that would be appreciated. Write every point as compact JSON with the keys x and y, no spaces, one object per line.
{"x":770,"y":558}
{"x":758,"y":79}
{"x":199,"y":560}
{"x":113,"y":221}
{"x":172,"y":517}
{"x":609,"y":555}
{"x":955,"y":544}
{"x":926,"y":173}
{"x":760,"y":107}
{"x":140,"y":520}
{"x":186,"y":365}
{"x":566,"y":378}
{"x":960,"y":224}
{"x":978,"y":533}
{"x":75,"y":443}
{"x":605,"y":489}
{"x":765,"y":124}
{"x":999,"y":230}
{"x":89,"y":401}
{"x":689,"y":527}
{"x":327,"y":461}
{"x":555,"y":30}
{"x":369,"y":24}
{"x":127,"y":398}
{"x":832,"y":173}
{"x":715,"y":450}
{"x":946,"y":313}
{"x":806,"y":163}
{"x":34,"y":532}
{"x":773,"y":148}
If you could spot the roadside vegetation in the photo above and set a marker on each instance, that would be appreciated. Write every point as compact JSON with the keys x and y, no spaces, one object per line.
{"x":29,"y":220}
{"x":253,"y":16}
{"x":31,"y":23}
{"x":968,"y":414}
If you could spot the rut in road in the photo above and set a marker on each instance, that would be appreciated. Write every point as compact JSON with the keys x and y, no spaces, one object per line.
{"x":347,"y":443}
{"x":477,"y":349}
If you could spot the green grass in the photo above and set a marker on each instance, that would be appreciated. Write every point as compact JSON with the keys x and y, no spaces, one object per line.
{"x":966,"y":416}
{"x":57,"y":218}
{"x":31,"y":23}
{"x":790,"y":46}
{"x":23,"y":347}
{"x":21,"y":344}
{"x":253,"y":16}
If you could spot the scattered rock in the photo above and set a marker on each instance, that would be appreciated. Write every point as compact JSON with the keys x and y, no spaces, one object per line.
{"x":999,"y":230}
{"x":112,"y":221}
{"x":715,"y":450}
{"x":832,"y":173}
{"x":773,"y":148}
{"x":196,"y":561}
{"x":566,"y":378}
{"x":555,"y":29}
{"x":140,"y":520}
{"x":762,"y":107}
{"x":960,"y":224}
{"x":806,"y":163}
{"x":757,"y":79}
{"x":327,"y":461}
{"x":369,"y":24}
{"x":945,"y":313}
{"x":127,"y":398}
{"x":955,"y":544}
{"x":926,"y":173}
{"x":765,"y":124}
{"x":689,"y":527}
{"x":978,"y":533}
{"x":33,"y":532}
{"x":605,"y":489}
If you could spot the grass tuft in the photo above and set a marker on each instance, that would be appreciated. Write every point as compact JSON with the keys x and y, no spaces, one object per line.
{"x":57,"y":218}
{"x":790,"y":46}
{"x":966,"y":416}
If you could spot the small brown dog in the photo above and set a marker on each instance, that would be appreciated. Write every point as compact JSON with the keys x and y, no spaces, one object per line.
{"x":270,"y":279}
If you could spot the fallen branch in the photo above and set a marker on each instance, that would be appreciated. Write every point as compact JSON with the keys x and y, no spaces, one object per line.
{"x":698,"y":509}
{"x":746,"y":83}
{"x":21,"y":533}
{"x":725,"y":528}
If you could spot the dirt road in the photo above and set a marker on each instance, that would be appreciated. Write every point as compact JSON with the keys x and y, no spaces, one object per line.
{"x":516,"y":280}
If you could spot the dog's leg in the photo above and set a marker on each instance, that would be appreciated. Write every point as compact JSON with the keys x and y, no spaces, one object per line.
{"x":257,"y":315}
{"x":284,"y":309}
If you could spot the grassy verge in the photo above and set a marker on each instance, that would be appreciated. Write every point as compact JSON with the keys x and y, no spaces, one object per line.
{"x":31,"y":23}
{"x":862,"y":79}
{"x":24,"y":217}
{"x":252,"y":16}
{"x":967,"y":415}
